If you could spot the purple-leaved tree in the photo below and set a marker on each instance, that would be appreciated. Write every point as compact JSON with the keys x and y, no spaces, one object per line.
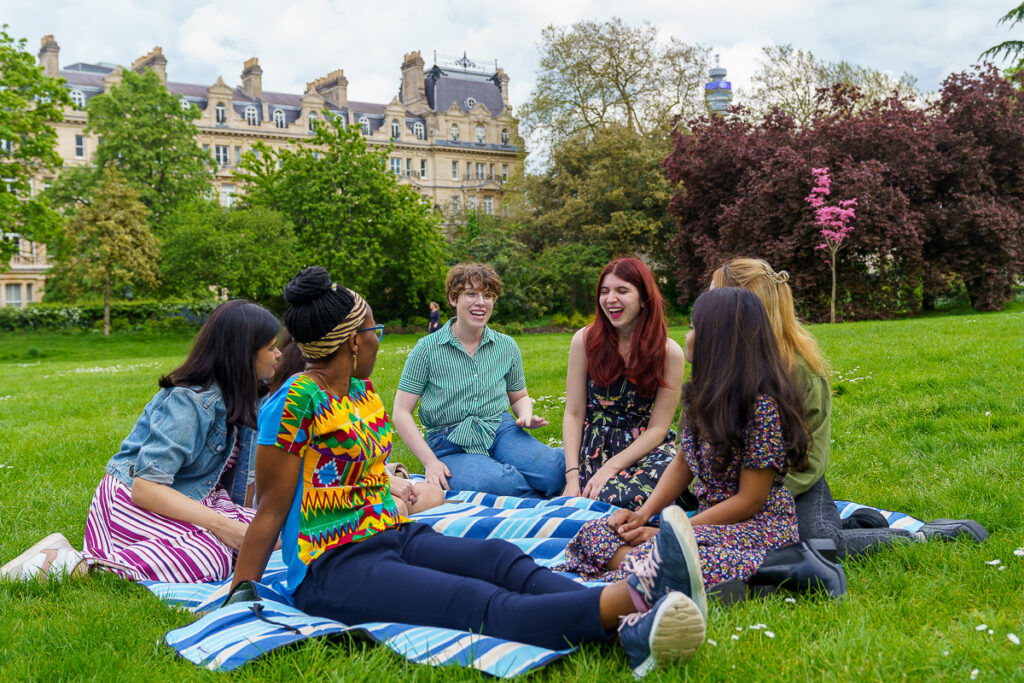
{"x":833,"y":223}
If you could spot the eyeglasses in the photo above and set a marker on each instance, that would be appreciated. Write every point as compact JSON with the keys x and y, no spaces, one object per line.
{"x":378,"y":331}
{"x":472,"y":295}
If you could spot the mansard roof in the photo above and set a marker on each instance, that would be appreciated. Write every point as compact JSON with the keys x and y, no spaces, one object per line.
{"x":445,"y":86}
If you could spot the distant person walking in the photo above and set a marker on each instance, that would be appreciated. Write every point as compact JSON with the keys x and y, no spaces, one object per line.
{"x":435,"y":317}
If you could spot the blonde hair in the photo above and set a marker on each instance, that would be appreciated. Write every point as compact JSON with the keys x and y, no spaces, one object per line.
{"x":772,"y":288}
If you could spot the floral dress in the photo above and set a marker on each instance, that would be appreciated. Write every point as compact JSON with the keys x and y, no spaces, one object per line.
{"x":616,"y":415}
{"x":729,"y":552}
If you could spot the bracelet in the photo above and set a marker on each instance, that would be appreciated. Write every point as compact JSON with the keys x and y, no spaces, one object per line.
{"x":571,"y":469}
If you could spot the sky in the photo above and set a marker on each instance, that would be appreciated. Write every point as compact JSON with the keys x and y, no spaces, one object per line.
{"x":297,"y":42}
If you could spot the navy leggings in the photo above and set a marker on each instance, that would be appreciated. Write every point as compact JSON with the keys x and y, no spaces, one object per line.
{"x":414,"y":575}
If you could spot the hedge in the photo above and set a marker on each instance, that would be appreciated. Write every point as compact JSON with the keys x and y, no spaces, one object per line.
{"x":123,"y":314}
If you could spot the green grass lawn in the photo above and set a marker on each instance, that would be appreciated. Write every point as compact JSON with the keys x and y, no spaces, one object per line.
{"x":910,"y":429}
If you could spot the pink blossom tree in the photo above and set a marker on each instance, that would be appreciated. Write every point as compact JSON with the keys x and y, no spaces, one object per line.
{"x":833,"y":222}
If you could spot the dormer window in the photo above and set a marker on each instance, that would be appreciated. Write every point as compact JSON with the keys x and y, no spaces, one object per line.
{"x":312,"y":121}
{"x":78,"y":98}
{"x":251,"y":117}
{"x":222,"y":113}
{"x":419,"y":131}
{"x":364,"y":125}
{"x":455,"y":132}
{"x":504,"y":136}
{"x":394,"y":129}
{"x":279,"y":118}
{"x":184,"y":103}
{"x":480,"y":132}
{"x":470,"y":102}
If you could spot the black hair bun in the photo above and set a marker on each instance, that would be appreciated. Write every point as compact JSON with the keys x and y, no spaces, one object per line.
{"x":311,"y":283}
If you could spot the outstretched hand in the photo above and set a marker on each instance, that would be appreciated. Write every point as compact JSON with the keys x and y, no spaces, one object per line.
{"x":532,"y":422}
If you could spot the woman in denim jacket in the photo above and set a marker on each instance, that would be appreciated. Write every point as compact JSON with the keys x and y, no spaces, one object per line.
{"x":173,"y":505}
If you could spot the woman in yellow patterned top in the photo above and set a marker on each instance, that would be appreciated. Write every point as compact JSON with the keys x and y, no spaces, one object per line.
{"x":324,"y":439}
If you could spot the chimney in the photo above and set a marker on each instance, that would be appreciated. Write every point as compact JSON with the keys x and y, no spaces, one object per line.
{"x":503,"y":80}
{"x":333,"y":87}
{"x":48,"y":53}
{"x":252,"y":78}
{"x":412,"y":79}
{"x":155,"y":60}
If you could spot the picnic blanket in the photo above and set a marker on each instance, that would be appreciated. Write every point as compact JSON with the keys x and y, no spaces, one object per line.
{"x":228,"y":637}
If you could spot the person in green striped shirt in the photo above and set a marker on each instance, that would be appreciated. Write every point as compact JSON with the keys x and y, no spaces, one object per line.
{"x":467,"y":378}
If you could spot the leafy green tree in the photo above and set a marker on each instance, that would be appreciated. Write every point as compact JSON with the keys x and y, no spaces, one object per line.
{"x":152,"y":141}
{"x":248,"y":252}
{"x":351,"y":216}
{"x":1013,"y":49}
{"x":593,"y":74}
{"x":107,"y":244}
{"x":29,"y":101}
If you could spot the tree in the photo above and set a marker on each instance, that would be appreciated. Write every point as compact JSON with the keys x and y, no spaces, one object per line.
{"x":248,"y":252}
{"x":152,"y":142}
{"x":833,"y":223}
{"x":29,"y":101}
{"x":796,"y":82}
{"x":1008,"y":48}
{"x":107,"y":243}
{"x":593,"y":74}
{"x":351,"y":216}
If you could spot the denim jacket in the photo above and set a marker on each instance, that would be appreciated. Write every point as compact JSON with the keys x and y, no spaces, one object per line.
{"x":182,"y":440}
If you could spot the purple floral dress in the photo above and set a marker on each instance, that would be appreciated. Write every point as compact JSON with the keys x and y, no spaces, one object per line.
{"x":731,"y":552}
{"x":616,"y":415}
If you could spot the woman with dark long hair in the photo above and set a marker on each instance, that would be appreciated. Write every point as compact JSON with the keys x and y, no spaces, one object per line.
{"x":324,"y":440}
{"x":743,"y":430}
{"x":621,"y":391}
{"x":172,"y":505}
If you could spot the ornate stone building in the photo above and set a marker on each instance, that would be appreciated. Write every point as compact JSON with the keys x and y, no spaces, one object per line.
{"x":454,"y":138}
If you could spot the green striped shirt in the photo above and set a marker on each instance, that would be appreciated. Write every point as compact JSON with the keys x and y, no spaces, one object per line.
{"x":466,"y":392}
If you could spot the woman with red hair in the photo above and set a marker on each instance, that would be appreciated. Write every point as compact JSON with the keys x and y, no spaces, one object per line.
{"x":621,"y":391}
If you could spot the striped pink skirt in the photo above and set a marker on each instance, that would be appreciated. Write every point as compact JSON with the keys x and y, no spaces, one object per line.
{"x":138,"y":544}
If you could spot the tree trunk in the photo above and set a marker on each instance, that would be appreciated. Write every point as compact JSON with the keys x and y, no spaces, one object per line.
{"x":106,"y":306}
{"x":832,"y":312}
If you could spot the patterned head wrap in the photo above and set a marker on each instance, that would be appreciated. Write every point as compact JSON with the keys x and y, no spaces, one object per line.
{"x":333,"y":340}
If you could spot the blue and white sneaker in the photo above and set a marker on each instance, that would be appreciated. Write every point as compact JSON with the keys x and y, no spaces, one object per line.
{"x":672,"y":629}
{"x":673,"y":565}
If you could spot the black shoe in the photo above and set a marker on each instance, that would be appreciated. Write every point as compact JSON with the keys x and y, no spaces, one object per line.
{"x":800,"y":567}
{"x":952,"y":529}
{"x":866,"y":518}
{"x":728,"y":592}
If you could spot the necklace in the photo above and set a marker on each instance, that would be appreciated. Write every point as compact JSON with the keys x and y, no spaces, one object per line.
{"x":465,"y":346}
{"x":323,"y":378}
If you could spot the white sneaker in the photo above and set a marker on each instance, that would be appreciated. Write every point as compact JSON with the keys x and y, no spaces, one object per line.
{"x":53,"y":556}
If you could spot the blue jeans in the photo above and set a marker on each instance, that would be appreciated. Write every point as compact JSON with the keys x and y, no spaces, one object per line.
{"x":516,"y":464}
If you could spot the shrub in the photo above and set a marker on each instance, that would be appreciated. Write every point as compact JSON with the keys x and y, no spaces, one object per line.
{"x":579,"y":320}
{"x":560,"y":320}
{"x":123,"y":315}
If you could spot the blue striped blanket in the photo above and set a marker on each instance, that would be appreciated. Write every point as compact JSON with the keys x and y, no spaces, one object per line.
{"x":225,"y":638}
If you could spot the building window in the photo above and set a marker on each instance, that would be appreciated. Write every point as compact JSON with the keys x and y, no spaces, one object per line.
{"x":206,"y":148}
{"x":13,"y":295}
{"x":504,"y":136}
{"x":490,"y":172}
{"x":222,"y":113}
{"x":505,"y":209}
{"x":480,"y":132}
{"x":184,"y":103}
{"x":80,"y":146}
{"x":221,"y":154}
{"x":489,"y":206}
{"x":250,"y":115}
{"x":394,"y":129}
{"x":6,"y":146}
{"x":78,"y":98}
{"x":504,"y":171}
{"x":470,"y":102}
{"x":455,"y":170}
{"x":396,"y":165}
{"x":227,"y":194}
{"x":238,"y":155}
{"x":455,"y":204}
{"x":364,"y":123}
{"x":423,"y":168}
{"x":469,"y":171}
{"x":455,"y":132}
{"x":312,"y":121}
{"x":470,"y":203}
{"x":29,"y":293}
{"x":419,"y":131}
{"x":479,"y":171}
{"x":279,"y":118}
{"x":408,"y":167}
